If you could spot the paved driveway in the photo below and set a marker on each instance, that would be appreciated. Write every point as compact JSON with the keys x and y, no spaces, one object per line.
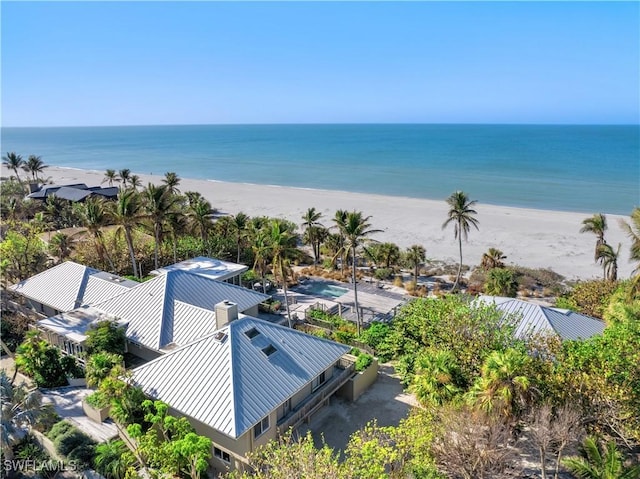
{"x":385,"y":401}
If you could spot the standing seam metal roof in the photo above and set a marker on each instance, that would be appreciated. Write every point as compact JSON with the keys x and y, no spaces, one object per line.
{"x":230,"y":385}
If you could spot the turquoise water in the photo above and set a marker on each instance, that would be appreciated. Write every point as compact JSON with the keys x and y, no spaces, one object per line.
{"x":322,"y":289}
{"x":573,"y":168}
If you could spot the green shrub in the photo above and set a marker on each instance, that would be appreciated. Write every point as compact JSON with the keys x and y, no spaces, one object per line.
{"x":590,"y":297}
{"x":374,"y":334}
{"x":59,"y":429}
{"x":383,"y":273}
{"x":70,"y":440}
{"x":83,"y":455}
{"x":97,"y":400}
{"x":345,"y":337}
{"x":363,"y":362}
{"x":71,"y":367}
{"x":108,"y":337}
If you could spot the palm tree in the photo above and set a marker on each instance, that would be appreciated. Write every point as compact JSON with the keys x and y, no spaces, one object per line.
{"x":437,"y":377}
{"x":61,"y":246}
{"x":135,"y":182}
{"x":596,"y":224}
{"x":600,"y":462}
{"x":94,"y":217}
{"x":608,"y":258}
{"x":124,"y":175}
{"x":34,"y":165}
{"x":177,"y":222}
{"x":502,"y":384}
{"x":13,"y":162}
{"x":282,"y":248}
{"x":200,"y":214}
{"x":461,"y":214}
{"x":633,"y":232}
{"x":261,"y":255}
{"x":113,"y":459}
{"x":158,"y":205}
{"x":20,"y":410}
{"x":172,"y":180}
{"x":127,"y":214}
{"x":415,"y":256}
{"x":110,"y":176}
{"x":492,"y":259}
{"x":311,"y":224}
{"x":501,"y":282}
{"x":355,"y":228}
{"x":339,"y":218}
{"x":240,"y":223}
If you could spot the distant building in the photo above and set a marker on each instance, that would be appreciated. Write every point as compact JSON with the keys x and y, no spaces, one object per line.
{"x":537,"y":319}
{"x":77,"y":192}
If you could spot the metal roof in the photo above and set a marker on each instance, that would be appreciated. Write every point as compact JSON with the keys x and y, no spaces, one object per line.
{"x":538,"y":319}
{"x":69,"y":285}
{"x":174,"y":307}
{"x":226,"y":381}
{"x":209,"y":267}
{"x":47,"y":190}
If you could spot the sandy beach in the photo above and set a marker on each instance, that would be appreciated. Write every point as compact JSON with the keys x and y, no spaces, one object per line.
{"x":528,"y":237}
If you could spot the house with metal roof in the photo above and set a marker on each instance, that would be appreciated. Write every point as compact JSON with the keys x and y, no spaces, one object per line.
{"x":247,"y":382}
{"x":68,"y":286}
{"x":534,"y":319}
{"x":76,"y":192}
{"x":161,"y":314}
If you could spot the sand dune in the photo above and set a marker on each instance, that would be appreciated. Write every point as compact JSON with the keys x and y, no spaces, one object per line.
{"x":533,"y":238}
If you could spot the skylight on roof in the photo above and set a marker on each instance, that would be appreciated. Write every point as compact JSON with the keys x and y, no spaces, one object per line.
{"x":252,"y":333}
{"x":269,"y":350}
{"x":220,"y":336}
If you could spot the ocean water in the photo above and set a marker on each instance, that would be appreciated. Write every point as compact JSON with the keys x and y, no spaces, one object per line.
{"x":560,"y":167}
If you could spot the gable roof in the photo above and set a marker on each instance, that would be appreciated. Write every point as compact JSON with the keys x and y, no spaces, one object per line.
{"x":209,"y":267}
{"x":69,"y":285}
{"x":227,"y":381}
{"x":544,"y":319}
{"x":175,"y":307}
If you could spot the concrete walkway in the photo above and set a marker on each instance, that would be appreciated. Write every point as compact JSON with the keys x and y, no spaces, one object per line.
{"x":68,"y":404}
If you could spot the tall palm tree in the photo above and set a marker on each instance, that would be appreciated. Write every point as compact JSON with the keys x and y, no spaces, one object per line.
{"x":600,"y":462}
{"x":355,"y":228}
{"x":158,"y":205}
{"x":34,"y":166}
{"x":261,"y":255}
{"x":339,"y":218}
{"x":240,"y":224}
{"x":492,"y":259}
{"x":596,"y":224}
{"x":127,"y":214}
{"x":124,"y":175}
{"x":94,"y":216}
{"x":311,"y":224}
{"x":633,"y":232}
{"x":283,"y":249}
{"x":20,"y":410}
{"x":110,"y":176}
{"x":172,"y":180}
{"x":135,"y":182}
{"x":177,"y":223}
{"x":14,"y":162}
{"x":608,"y":258}
{"x":415,"y":256}
{"x":200,"y":214}
{"x":461,"y":214}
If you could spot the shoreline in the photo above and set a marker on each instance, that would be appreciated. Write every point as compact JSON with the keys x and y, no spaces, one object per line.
{"x":528,"y":237}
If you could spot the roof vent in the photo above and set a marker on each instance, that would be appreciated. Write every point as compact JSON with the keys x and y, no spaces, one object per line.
{"x":220,"y":336}
{"x":251,"y":333}
{"x":269,"y":350}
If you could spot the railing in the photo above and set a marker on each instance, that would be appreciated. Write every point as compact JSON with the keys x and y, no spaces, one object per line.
{"x":317,"y":399}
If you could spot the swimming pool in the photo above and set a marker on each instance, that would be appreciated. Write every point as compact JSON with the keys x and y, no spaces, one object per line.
{"x":323,"y":289}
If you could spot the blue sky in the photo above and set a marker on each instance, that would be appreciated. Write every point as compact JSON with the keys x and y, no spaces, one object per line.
{"x":120,"y":63}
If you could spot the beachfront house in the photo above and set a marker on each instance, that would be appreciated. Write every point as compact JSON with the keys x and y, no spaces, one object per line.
{"x":168,"y":311}
{"x":536,"y":319}
{"x":75,"y":193}
{"x":68,"y":286}
{"x":247,"y":382}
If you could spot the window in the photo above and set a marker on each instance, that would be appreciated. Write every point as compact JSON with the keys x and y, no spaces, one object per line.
{"x":261,"y":427}
{"x":319,"y":381}
{"x":223,"y":455}
{"x":269,"y":350}
{"x":252,"y":333}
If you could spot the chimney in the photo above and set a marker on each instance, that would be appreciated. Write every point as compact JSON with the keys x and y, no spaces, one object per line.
{"x":226,"y":311}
